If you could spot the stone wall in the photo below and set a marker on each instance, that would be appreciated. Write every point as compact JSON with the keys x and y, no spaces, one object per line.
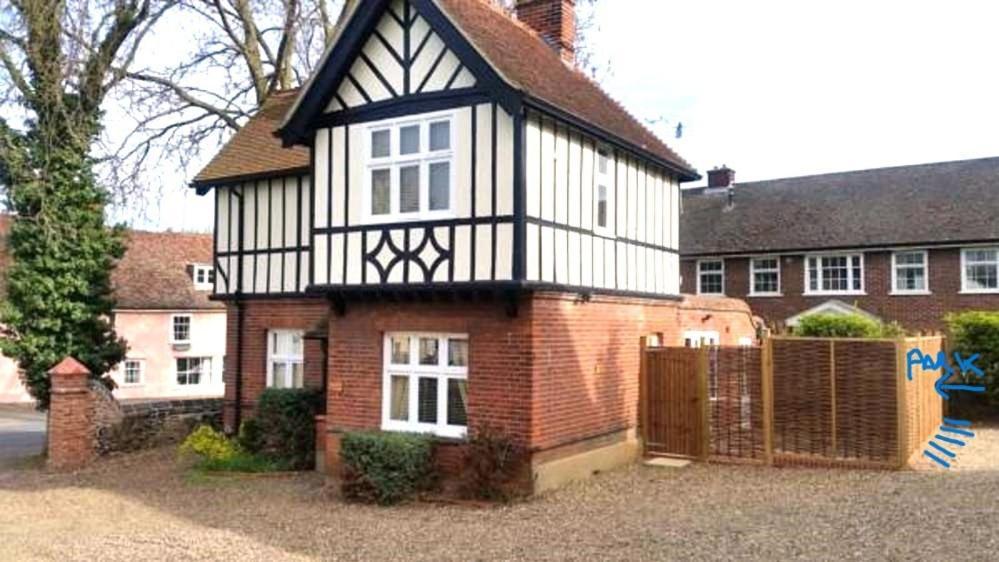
{"x":151,"y":424}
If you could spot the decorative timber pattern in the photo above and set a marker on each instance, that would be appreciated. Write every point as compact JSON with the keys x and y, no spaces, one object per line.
{"x":402,"y":57}
{"x":412,"y":255}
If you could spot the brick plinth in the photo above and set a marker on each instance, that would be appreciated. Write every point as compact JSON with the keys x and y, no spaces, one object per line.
{"x":71,"y":415}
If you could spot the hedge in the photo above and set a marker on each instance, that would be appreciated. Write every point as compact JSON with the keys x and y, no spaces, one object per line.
{"x":977,"y":332}
{"x":284,"y":429}
{"x":845,"y":326}
{"x":385,"y":468}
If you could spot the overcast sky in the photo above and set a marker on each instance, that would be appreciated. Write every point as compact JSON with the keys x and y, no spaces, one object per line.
{"x":785,"y":88}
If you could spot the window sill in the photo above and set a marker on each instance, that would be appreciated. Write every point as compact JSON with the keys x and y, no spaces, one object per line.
{"x":711,"y":294}
{"x":909,"y":293}
{"x":834,"y":293}
{"x":449,"y":435}
{"x":765,"y":295}
{"x":375,"y":220}
{"x":979,"y":292}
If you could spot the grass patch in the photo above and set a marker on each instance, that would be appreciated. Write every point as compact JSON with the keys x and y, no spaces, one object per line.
{"x":240,"y":462}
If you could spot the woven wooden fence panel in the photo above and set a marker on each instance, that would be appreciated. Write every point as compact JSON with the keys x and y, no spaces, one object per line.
{"x":736,"y":406}
{"x":923,"y":406}
{"x":866,"y":396}
{"x":802,"y":386}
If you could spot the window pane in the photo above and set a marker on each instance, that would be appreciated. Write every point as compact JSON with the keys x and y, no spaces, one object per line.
{"x":909,"y":258}
{"x":381,"y":144}
{"x":765,"y":282}
{"x":181,"y":328}
{"x":400,"y":350}
{"x":986,"y":256}
{"x":280,"y":375}
{"x":440,"y":186}
{"x":297,"y":376}
{"x":982,"y":277}
{"x":910,"y":279}
{"x":429,"y":354}
{"x":602,"y":205}
{"x":457,"y":402}
{"x":440,"y":135}
{"x":457,"y":353}
{"x":409,"y":189}
{"x":399,"y":398}
{"x":409,"y":140}
{"x":427,"y":401}
{"x":381,"y":189}
{"x":711,"y":266}
{"x":604,"y":163}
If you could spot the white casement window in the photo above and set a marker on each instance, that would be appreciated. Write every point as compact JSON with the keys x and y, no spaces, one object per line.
{"x":410,"y":169}
{"x":700,"y":338}
{"x":909,"y":273}
{"x":131,"y":372}
{"x":710,"y":277}
{"x":834,"y":274}
{"x":285,"y":359}
{"x":603,"y":196}
{"x":980,"y":270}
{"x":764,"y":274}
{"x":180,"y":332}
{"x":194,"y":370}
{"x":204,"y":277}
{"x":425,"y":384}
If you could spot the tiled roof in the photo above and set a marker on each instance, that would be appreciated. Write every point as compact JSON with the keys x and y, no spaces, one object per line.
{"x":517,"y":53}
{"x":254,"y":150}
{"x":907,"y":205}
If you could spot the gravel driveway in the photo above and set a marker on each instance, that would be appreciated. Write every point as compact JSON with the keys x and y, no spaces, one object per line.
{"x":142,"y":507}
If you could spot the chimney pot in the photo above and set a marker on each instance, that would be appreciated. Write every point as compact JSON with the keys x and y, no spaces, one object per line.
{"x":555,"y":21}
{"x":721,"y":177}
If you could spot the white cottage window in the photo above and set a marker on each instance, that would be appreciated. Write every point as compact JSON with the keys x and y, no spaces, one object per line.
{"x":285,"y":359}
{"x":410,"y":169}
{"x":909,"y":273}
{"x":980,"y":270}
{"x":710,"y":277}
{"x":765,"y":276}
{"x":425,"y":384}
{"x":834,"y":274}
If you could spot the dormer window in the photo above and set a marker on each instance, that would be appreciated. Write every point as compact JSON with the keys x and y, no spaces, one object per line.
{"x":410,"y":169}
{"x":204,"y":277}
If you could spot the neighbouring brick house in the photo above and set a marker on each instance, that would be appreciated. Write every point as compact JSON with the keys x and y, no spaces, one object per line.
{"x":451,"y":226}
{"x":906,"y":244}
{"x":175,"y":334}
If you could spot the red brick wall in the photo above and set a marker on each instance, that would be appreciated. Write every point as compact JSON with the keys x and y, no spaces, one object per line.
{"x":915,"y":312}
{"x":554,"y":20}
{"x":259,"y":317}
{"x":70,"y":428}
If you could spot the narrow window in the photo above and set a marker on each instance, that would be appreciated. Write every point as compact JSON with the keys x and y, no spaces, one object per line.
{"x":425,"y":384}
{"x":204,"y":277}
{"x":909,"y":272}
{"x":765,"y":276}
{"x":981,"y":270}
{"x":181,"y":333}
{"x":710,"y":277}
{"x":602,"y":196}
{"x":285,"y":359}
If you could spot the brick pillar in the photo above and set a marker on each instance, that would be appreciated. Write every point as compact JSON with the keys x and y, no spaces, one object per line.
{"x":71,"y":416}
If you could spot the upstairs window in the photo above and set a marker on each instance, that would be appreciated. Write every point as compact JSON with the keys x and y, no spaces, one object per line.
{"x":765,"y":276}
{"x":204,"y":277}
{"x":603,"y":199}
{"x":980,"y":270}
{"x":181,"y":332}
{"x":410,"y":169}
{"x":710,"y":277}
{"x":425,"y":384}
{"x":909,"y":272}
{"x":832,"y":274}
{"x":285,"y":359}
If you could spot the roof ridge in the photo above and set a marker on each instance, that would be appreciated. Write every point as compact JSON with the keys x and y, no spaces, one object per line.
{"x":865,"y":170}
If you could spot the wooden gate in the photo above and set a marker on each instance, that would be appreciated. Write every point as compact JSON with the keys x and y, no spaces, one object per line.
{"x":674,"y":390}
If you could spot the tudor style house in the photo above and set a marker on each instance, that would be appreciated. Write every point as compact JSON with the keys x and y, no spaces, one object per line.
{"x":447,"y":227}
{"x":175,"y":333}
{"x":906,"y":244}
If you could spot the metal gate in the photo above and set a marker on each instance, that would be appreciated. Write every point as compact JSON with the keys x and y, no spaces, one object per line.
{"x":674,"y":390}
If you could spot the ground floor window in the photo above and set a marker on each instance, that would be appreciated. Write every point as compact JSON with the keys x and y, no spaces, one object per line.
{"x":285,"y":359}
{"x":425,"y":383}
{"x":132,"y":371}
{"x":194,"y":370}
{"x":981,"y":270}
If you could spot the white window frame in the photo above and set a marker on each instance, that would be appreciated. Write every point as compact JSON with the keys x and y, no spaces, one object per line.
{"x":209,"y":277}
{"x":206,"y":374}
{"x":124,"y":371}
{"x":605,"y":179}
{"x":396,"y":161}
{"x":700,"y":338}
{"x":895,"y":266}
{"x":964,"y":270}
{"x":849,"y":276}
{"x":442,"y":372}
{"x":752,"y":277}
{"x":721,"y":272}
{"x":173,"y":329}
{"x":289,"y":360}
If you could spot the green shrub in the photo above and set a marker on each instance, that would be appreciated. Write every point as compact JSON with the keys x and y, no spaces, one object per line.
{"x":217,"y":453}
{"x":845,"y":326}
{"x":385,"y":468}
{"x":285,"y":427}
{"x":493,"y":462}
{"x":977,"y":332}
{"x":250,"y":436}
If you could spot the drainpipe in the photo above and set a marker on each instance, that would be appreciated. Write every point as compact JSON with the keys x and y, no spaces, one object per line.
{"x":240,"y":306}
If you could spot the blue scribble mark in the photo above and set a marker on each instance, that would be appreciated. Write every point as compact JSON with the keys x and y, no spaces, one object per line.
{"x":966,"y":365}
{"x":957,"y":431}
{"x":942,"y":388}
{"x":915,"y":357}
{"x":952,"y":426}
{"x":937,"y":459}
{"x":943,"y":450}
{"x":959,"y":423}
{"x":957,"y":442}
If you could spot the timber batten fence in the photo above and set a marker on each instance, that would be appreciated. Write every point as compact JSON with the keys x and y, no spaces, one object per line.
{"x":792,"y":401}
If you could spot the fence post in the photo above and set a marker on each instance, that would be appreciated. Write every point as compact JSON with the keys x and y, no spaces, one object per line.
{"x":705,"y":401}
{"x":832,"y":396}
{"x":643,"y":394}
{"x":767,"y":392}
{"x":900,"y":402}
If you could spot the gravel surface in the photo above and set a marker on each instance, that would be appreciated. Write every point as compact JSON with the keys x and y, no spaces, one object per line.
{"x":144,"y":507}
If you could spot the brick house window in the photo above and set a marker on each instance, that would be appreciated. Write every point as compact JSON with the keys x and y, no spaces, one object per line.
{"x":834,"y":274}
{"x":604,"y":201}
{"x":194,"y":370}
{"x":909,"y":273}
{"x":410,"y":169}
{"x":285,"y":359}
{"x":181,"y":332}
{"x":764,"y":274}
{"x":132,"y":372}
{"x":980,"y":270}
{"x":425,"y":384}
{"x":710,"y":277}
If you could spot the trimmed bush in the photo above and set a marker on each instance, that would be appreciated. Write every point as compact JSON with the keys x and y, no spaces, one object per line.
{"x":385,"y":468}
{"x":285,"y":427}
{"x":845,"y":326}
{"x":493,"y":461}
{"x":977,"y":332}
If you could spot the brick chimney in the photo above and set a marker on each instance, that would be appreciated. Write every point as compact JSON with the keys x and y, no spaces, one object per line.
{"x":721,"y":177}
{"x":555,"y":21}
